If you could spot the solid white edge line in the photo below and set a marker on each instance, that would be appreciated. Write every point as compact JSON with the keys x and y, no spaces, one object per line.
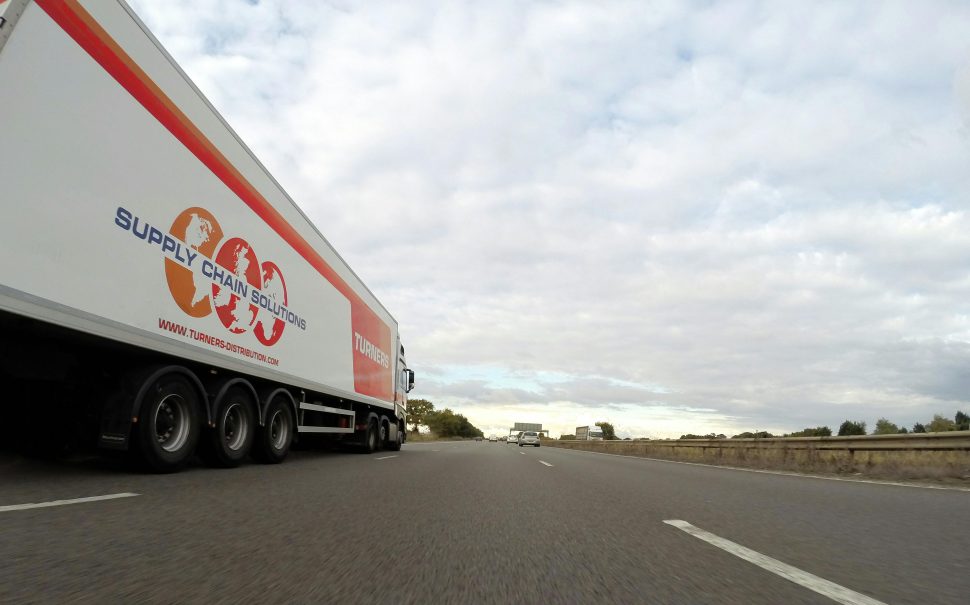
{"x":385,"y":457}
{"x":12,"y":507}
{"x":544,"y":462}
{"x":770,"y":472}
{"x":839,"y":594}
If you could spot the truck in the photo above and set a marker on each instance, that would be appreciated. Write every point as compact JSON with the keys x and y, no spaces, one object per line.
{"x":589,"y":433}
{"x":160,"y":293}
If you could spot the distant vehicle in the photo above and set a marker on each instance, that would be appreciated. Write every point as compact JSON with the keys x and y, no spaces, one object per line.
{"x":513,"y":439}
{"x":529,"y":438}
{"x":492,"y":438}
{"x":479,"y":438}
{"x":589,"y":433}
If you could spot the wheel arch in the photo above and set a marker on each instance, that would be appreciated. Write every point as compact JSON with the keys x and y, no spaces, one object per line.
{"x":151,"y":374}
{"x":221,"y":386}
{"x":269,"y":394}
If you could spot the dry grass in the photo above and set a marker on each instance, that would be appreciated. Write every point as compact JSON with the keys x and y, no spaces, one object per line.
{"x":899,"y":464}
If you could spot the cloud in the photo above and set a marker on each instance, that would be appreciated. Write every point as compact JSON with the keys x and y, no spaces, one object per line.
{"x":754,"y":210}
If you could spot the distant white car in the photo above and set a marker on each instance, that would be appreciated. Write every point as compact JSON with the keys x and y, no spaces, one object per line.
{"x":492,"y":438}
{"x":513,"y":439}
{"x":529,"y":438}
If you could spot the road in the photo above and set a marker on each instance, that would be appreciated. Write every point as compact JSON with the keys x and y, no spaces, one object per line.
{"x":473,"y":523}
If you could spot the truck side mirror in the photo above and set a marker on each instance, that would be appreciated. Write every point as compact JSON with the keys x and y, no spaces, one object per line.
{"x":410,"y":380}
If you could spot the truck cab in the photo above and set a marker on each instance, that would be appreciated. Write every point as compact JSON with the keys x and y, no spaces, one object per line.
{"x":589,"y":433}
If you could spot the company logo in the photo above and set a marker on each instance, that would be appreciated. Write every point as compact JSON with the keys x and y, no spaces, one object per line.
{"x":371,"y":351}
{"x":208,"y":272}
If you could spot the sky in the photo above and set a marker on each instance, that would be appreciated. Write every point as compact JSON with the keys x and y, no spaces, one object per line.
{"x":676,"y":217}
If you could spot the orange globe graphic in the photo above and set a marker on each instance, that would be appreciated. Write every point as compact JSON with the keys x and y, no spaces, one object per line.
{"x":197,"y":228}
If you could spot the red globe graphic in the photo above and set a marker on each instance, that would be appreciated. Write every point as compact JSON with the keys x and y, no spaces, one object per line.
{"x":269,"y":324}
{"x":237,"y":259}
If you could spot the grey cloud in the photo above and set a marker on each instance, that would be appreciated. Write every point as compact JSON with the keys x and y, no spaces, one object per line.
{"x":761,"y":208}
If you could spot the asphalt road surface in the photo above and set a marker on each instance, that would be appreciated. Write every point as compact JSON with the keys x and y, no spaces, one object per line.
{"x":473,"y":523}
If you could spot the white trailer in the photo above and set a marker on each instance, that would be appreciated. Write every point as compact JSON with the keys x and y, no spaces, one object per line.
{"x":589,"y":433}
{"x":157,"y":283}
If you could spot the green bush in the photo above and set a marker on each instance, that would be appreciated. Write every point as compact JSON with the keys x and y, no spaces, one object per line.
{"x":754,"y":435}
{"x":884,"y":427}
{"x":850,"y":427}
{"x":819,"y":431}
{"x":962,"y":421}
{"x":939,"y":424}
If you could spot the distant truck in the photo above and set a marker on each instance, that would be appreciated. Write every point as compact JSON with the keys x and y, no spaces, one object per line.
{"x":158,"y":287}
{"x":589,"y":433}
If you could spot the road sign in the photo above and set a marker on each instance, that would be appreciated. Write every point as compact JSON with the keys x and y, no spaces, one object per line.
{"x":525,"y":426}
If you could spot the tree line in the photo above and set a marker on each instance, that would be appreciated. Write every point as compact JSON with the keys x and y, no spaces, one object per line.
{"x":443,"y":423}
{"x":939,"y":424}
{"x":447,"y":423}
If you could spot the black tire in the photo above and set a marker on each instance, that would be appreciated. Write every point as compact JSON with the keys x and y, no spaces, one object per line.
{"x":228,"y":443}
{"x":395,"y":446}
{"x":273,"y":439}
{"x":520,"y":445}
{"x":382,"y":434}
{"x":168,"y":425}
{"x":371,"y":437}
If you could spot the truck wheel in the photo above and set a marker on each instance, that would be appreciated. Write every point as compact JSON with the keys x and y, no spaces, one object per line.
{"x":370,"y":439}
{"x":168,"y":427}
{"x":395,"y":446}
{"x":229,"y":441}
{"x":384,"y":430}
{"x":273,"y":439}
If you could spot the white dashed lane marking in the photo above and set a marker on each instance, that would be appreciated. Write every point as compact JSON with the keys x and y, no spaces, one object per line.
{"x":837,"y":593}
{"x":13,"y":507}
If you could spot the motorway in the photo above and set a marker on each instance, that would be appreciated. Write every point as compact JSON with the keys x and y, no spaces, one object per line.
{"x":473,"y":523}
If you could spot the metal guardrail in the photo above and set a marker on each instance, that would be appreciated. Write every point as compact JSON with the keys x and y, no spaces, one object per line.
{"x":909,"y":456}
{"x":951,"y":440}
